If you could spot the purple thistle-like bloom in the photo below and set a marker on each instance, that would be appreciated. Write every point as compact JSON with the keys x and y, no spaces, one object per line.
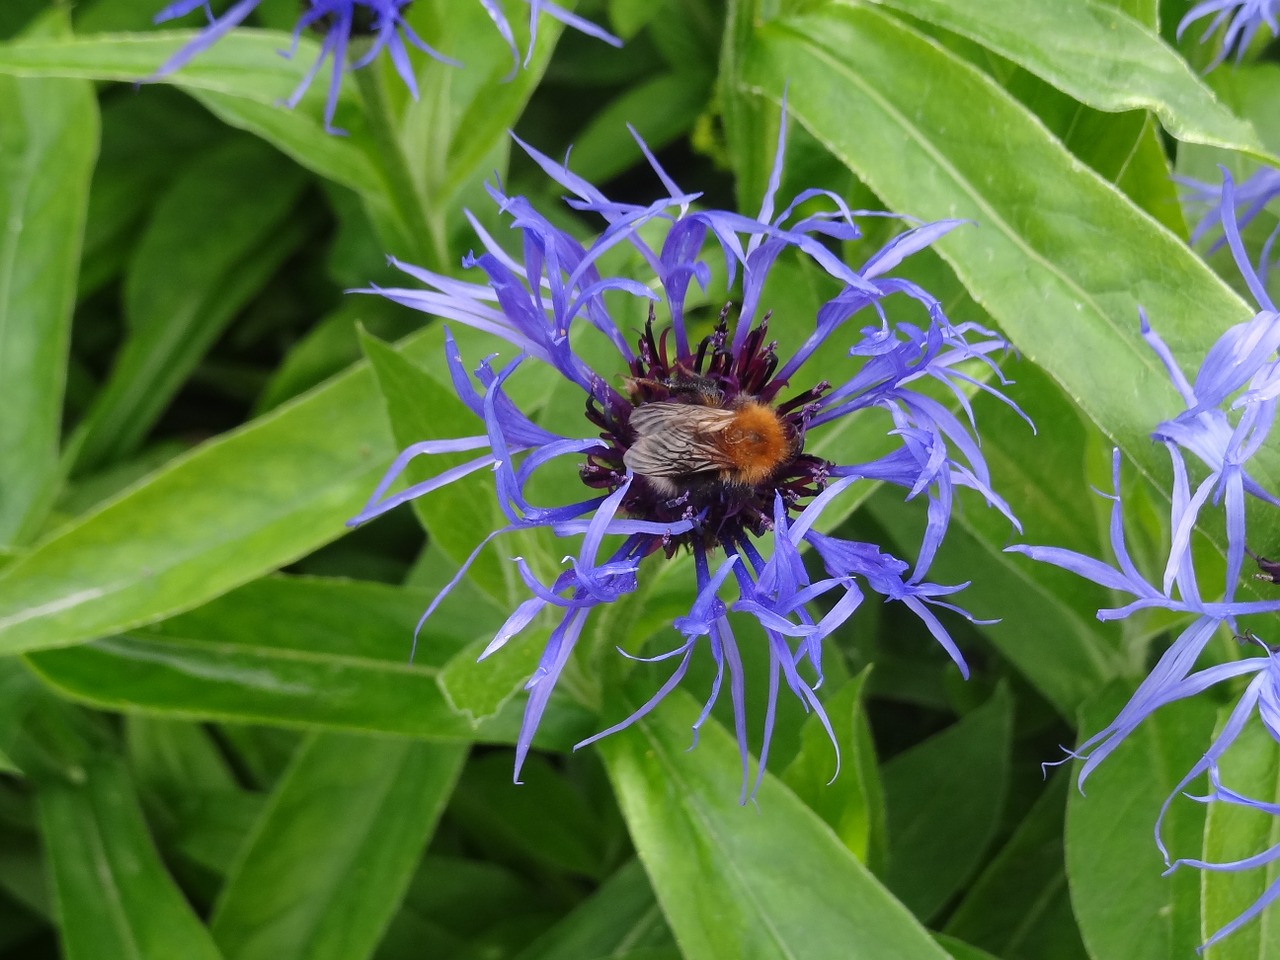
{"x":382,"y":21}
{"x":1243,"y":20}
{"x":701,"y":445}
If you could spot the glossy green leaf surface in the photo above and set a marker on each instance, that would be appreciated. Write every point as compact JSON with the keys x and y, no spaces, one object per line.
{"x":1100,"y":55}
{"x":247,"y":64}
{"x":114,"y":897}
{"x":48,"y":143}
{"x":733,"y":881}
{"x":266,"y":494}
{"x":288,"y":898}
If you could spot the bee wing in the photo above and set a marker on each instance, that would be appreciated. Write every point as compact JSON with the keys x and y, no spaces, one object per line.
{"x":676,"y":440}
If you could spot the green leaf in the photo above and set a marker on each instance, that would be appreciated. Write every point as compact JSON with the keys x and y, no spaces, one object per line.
{"x":232,"y":509}
{"x":146,"y":141}
{"x":1232,"y":832}
{"x":309,"y":652}
{"x":245,"y":683}
{"x":660,"y":110}
{"x":546,"y":820}
{"x":214,"y":239}
{"x":960,"y":950}
{"x":48,"y":143}
{"x":301,"y":136}
{"x":1018,"y":907}
{"x":376,"y":803}
{"x":1125,"y":908}
{"x":853,"y":804}
{"x":1099,"y":55}
{"x":115,"y":899}
{"x":246,"y":63}
{"x":622,"y":914}
{"x":740,"y":882}
{"x":944,"y":799}
{"x":1063,"y":274}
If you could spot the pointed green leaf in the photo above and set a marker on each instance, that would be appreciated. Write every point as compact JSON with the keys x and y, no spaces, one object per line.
{"x":737,"y":881}
{"x":853,"y":803}
{"x":48,"y":143}
{"x":1018,"y":906}
{"x":622,"y":914}
{"x":214,"y":239}
{"x":1099,"y":55}
{"x":115,"y":898}
{"x":375,"y":802}
{"x":944,"y":799}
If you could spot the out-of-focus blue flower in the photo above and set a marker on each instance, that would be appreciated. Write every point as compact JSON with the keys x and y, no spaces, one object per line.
{"x":382,"y":21}
{"x":1243,"y":19}
{"x":1249,"y":199}
{"x":1229,"y":411}
{"x":701,"y":446}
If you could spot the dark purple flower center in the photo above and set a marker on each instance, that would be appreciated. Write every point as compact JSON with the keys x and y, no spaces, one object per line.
{"x":363,"y":18}
{"x":712,"y":443}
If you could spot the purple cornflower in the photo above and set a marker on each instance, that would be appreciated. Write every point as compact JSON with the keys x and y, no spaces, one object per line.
{"x":1229,"y":411}
{"x":1243,"y":19}
{"x":382,"y":21}
{"x":701,"y":445}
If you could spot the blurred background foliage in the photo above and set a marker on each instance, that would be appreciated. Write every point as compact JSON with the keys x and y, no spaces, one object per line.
{"x":212,"y":741}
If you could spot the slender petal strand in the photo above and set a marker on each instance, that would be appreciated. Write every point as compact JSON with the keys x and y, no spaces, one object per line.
{"x":382,"y":22}
{"x":1240,"y":19}
{"x":699,"y":444}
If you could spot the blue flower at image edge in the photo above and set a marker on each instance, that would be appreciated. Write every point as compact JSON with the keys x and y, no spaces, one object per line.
{"x":663,"y":425}
{"x":1242,"y":18}
{"x":339,"y":20}
{"x":1250,"y":198}
{"x":1230,"y":409}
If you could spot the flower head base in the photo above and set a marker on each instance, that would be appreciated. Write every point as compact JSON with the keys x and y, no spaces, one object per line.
{"x":1243,"y":20}
{"x":702,"y":443}
{"x":382,"y":21}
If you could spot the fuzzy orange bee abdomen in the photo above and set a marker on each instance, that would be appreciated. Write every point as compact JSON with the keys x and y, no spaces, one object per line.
{"x":756,"y":442}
